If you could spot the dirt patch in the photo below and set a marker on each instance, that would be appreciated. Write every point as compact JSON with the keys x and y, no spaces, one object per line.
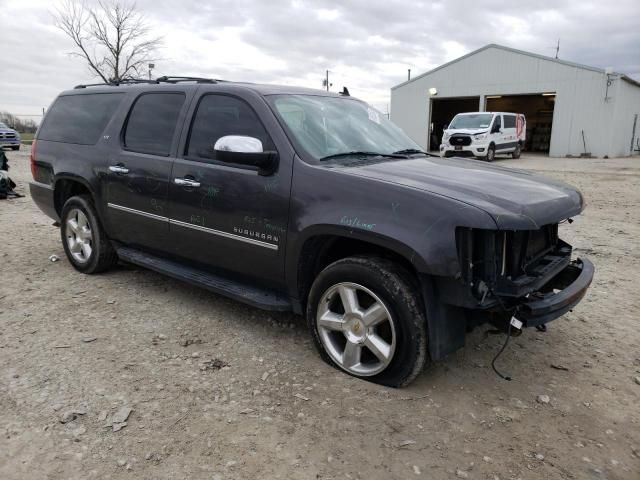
{"x":204,"y":387}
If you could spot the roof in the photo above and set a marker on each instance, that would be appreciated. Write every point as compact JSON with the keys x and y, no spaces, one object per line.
{"x":261,"y":89}
{"x":521,"y":52}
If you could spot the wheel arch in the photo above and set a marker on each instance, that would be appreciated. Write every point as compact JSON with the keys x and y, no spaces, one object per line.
{"x":321,"y":248}
{"x":67,"y":186}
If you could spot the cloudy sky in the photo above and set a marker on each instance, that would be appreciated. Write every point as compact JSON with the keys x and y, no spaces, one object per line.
{"x":366,"y":44}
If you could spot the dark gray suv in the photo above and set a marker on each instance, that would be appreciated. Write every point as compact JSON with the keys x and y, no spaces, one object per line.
{"x":299,"y":200}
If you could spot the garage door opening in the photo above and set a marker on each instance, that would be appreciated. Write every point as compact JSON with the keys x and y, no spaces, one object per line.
{"x":538,"y":109}
{"x":442,"y":112}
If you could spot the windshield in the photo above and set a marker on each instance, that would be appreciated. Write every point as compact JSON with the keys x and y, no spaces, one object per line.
{"x":3,"y":125}
{"x":328,"y":126}
{"x":474,"y":120}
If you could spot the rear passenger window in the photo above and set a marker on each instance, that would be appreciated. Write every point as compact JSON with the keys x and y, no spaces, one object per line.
{"x":509,"y":121}
{"x":79,"y":119}
{"x":221,"y":115}
{"x":152,"y":123}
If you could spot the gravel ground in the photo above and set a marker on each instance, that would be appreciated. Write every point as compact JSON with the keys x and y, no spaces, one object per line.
{"x":219,"y":390}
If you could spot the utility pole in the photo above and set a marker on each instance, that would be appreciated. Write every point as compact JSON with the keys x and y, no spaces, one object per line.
{"x":326,"y":80}
{"x":151,"y":67}
{"x":557,"y":48}
{"x":408,"y":74}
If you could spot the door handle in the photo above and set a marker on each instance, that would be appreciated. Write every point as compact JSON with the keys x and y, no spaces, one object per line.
{"x":119,"y":169}
{"x":185,"y":182}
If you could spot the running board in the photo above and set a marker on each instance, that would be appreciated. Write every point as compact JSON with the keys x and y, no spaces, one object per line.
{"x":249,"y":294}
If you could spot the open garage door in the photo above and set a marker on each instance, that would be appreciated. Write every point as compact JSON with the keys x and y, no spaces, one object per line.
{"x":442,"y":112}
{"x":537,"y":108}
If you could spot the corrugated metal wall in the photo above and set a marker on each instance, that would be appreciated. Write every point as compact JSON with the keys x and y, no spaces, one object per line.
{"x":580,"y":98}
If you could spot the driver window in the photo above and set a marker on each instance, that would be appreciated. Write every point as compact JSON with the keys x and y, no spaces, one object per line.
{"x":497,"y":124}
{"x":221,"y":115}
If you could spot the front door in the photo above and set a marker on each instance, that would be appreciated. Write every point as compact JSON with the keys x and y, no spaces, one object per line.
{"x":225,"y":216}
{"x":137,"y":179}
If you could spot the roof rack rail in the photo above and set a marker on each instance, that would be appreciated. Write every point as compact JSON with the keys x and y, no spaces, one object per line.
{"x":171,"y":79}
{"x":115,"y":83}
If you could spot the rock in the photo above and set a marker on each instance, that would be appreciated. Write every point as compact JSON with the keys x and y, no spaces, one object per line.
{"x":54,"y":258}
{"x":121,"y":415}
{"x":487,"y":459}
{"x":637,"y":380}
{"x":544,"y":399}
{"x":405,"y":443}
{"x":416,"y":470}
{"x":89,"y":339}
{"x":57,"y":407}
{"x":213,"y":364}
{"x":71,"y":415}
{"x":231,"y":463}
{"x":122,"y":462}
{"x":461,"y":474}
{"x":118,"y":426}
{"x":301,"y":397}
{"x":539,"y":456}
{"x":246,"y":411}
{"x":265,"y":375}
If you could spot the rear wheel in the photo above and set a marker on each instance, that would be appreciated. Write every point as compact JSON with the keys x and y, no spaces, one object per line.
{"x":367,"y":319}
{"x":83,"y":238}
{"x":516,"y":152}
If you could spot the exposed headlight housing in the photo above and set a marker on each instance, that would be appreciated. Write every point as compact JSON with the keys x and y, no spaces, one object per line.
{"x":480,"y":136}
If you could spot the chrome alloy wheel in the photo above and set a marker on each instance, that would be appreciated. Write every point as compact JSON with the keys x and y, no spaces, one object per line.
{"x":79,"y":236}
{"x":356,"y":329}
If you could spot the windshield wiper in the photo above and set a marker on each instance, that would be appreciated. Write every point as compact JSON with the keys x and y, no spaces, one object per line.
{"x":412,"y":151}
{"x":363,"y":154}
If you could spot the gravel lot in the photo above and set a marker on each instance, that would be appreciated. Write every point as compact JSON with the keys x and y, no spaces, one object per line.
{"x":219,"y":390}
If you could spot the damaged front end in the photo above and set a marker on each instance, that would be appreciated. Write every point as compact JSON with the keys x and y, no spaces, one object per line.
{"x":525,"y":274}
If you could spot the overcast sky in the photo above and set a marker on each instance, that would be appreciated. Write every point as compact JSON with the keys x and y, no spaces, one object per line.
{"x":366,"y":44}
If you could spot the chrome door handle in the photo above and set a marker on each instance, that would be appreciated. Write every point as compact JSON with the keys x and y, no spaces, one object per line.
{"x":118,"y":169}
{"x":185,"y":182}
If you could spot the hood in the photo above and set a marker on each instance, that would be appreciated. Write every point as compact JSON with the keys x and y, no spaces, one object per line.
{"x":516,"y":199}
{"x":7,"y":130}
{"x":467,"y":131}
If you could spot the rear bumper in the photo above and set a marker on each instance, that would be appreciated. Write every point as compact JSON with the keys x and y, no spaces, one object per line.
{"x":42,"y":195}
{"x":558,"y":296}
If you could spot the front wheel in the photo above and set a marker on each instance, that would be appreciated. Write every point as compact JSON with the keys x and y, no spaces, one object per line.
{"x":367,"y":319}
{"x":83,"y":238}
{"x":491,"y":154}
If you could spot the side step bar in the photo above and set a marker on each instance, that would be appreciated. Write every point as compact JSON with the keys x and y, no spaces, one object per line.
{"x":249,"y":294}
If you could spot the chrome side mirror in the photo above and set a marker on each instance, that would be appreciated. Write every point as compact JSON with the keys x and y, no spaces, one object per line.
{"x":238,"y":144}
{"x":246,"y":151}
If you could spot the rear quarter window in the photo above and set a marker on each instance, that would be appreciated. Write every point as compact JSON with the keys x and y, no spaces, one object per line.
{"x":79,"y":119}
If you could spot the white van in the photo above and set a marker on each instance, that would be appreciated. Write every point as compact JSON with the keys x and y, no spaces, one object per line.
{"x":484,"y":135}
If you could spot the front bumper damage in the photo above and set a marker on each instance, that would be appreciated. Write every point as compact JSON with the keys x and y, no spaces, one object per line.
{"x":558,"y":296}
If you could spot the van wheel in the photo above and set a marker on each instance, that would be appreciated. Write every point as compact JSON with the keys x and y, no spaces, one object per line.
{"x":516,"y":153}
{"x":491,"y":153}
{"x":83,"y":238}
{"x":367,"y":319}
{"x":17,"y":147}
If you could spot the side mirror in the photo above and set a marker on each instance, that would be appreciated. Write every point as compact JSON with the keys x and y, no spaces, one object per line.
{"x":495,"y":129}
{"x":243,"y":150}
{"x":445,"y":127}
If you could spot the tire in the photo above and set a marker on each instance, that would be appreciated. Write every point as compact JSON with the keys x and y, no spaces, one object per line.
{"x":516,"y":153}
{"x":399,"y":325}
{"x":491,"y":153}
{"x":86,"y":245}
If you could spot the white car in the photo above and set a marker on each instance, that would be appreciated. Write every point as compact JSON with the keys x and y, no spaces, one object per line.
{"x":484,"y":135}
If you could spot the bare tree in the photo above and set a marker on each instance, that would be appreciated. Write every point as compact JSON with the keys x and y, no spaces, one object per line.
{"x":113,"y":37}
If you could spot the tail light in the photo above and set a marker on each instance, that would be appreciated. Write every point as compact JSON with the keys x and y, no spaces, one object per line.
{"x":32,"y":158}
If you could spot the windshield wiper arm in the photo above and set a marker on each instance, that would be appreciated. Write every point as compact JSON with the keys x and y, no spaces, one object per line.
{"x":363,"y":154}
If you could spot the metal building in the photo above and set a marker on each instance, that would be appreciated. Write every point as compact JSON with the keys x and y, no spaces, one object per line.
{"x":571,"y":109}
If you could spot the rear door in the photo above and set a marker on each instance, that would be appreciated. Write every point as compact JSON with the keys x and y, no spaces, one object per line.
{"x":137,"y":178}
{"x":230,"y":217}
